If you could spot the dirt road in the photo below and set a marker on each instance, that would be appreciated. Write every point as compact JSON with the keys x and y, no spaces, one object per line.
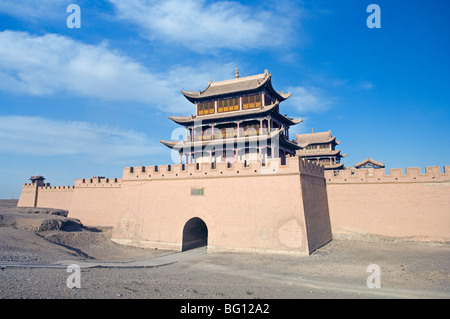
{"x":34,"y":265}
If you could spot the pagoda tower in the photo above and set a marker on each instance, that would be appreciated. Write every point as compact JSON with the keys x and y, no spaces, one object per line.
{"x":237,"y":120}
{"x":320,"y":148}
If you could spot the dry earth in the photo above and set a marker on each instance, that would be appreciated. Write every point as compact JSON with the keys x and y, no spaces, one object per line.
{"x":33,"y":264}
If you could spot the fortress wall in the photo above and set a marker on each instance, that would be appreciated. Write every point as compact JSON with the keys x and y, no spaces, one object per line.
{"x":286,"y":206}
{"x":97,"y":201}
{"x":244,"y":207}
{"x":247,"y":207}
{"x":27,"y":196}
{"x":180,"y":171}
{"x":94,"y":201}
{"x":398,"y":204}
{"x":315,"y":204}
{"x":55,"y":197}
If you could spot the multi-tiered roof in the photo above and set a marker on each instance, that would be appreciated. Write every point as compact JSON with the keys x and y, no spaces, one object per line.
{"x":320,"y":148}
{"x":238,"y":85}
{"x":238,"y":112}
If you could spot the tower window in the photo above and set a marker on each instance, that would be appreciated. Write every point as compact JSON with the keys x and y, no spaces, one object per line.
{"x":206,"y":108}
{"x":251,"y":101}
{"x":227,"y":105}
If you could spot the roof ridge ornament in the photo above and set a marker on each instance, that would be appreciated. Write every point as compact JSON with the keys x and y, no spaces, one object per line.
{"x":237,"y":73}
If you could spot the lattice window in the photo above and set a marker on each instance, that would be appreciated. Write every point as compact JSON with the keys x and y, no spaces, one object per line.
{"x":227,"y":105}
{"x":206,"y":108}
{"x":251,"y":101}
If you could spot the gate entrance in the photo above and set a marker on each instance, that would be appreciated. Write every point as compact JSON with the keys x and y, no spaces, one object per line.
{"x":195,"y":234}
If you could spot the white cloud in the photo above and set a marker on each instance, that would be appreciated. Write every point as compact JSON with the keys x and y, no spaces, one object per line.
{"x":27,"y":135}
{"x":43,"y":65}
{"x":204,"y":26}
{"x":200,"y":25}
{"x":35,"y":9}
{"x":50,"y":64}
{"x":308,"y":99}
{"x":366,"y":85}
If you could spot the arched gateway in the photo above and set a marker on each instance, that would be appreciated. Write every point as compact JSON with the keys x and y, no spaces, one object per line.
{"x":195,"y":234}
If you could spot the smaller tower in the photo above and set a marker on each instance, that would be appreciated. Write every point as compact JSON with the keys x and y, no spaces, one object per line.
{"x":37,"y":181}
{"x":320,"y":148}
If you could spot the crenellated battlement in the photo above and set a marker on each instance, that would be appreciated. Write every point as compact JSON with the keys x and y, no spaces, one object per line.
{"x":396,"y":175}
{"x":33,"y":185}
{"x":292,"y":165}
{"x":47,"y":186}
{"x":54,"y":188}
{"x":98,"y":181}
{"x":311,"y":168}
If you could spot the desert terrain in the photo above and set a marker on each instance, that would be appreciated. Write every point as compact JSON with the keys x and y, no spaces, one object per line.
{"x":36,"y":247}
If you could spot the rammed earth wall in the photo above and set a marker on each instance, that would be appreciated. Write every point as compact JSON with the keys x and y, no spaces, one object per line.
{"x":275,"y":208}
{"x":398,"y":204}
{"x":252,"y":208}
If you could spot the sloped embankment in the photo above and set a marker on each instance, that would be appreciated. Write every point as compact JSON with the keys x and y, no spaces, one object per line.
{"x":38,"y":219}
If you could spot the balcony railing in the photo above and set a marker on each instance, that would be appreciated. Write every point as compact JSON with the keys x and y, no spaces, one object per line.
{"x":228,"y":134}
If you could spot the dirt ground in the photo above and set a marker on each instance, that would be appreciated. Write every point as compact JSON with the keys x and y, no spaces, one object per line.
{"x":33,"y":264}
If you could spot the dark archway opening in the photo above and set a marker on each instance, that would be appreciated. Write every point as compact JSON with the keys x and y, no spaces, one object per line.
{"x":195,"y":234}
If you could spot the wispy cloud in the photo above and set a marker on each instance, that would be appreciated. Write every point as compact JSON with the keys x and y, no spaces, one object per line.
{"x":204,"y":26}
{"x":50,"y":64}
{"x":308,"y":99}
{"x":27,"y":135}
{"x":35,"y":9}
{"x":366,"y":85}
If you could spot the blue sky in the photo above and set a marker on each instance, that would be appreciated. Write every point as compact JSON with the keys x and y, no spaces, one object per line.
{"x":83,"y":102}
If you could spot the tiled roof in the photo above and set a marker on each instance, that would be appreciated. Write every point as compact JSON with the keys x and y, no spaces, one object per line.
{"x":242,"y":139}
{"x":371,"y":161}
{"x":318,"y":153}
{"x":36,"y":177}
{"x":236,"y":85}
{"x":227,"y":115}
{"x":315,"y":138}
{"x":334,"y":166}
